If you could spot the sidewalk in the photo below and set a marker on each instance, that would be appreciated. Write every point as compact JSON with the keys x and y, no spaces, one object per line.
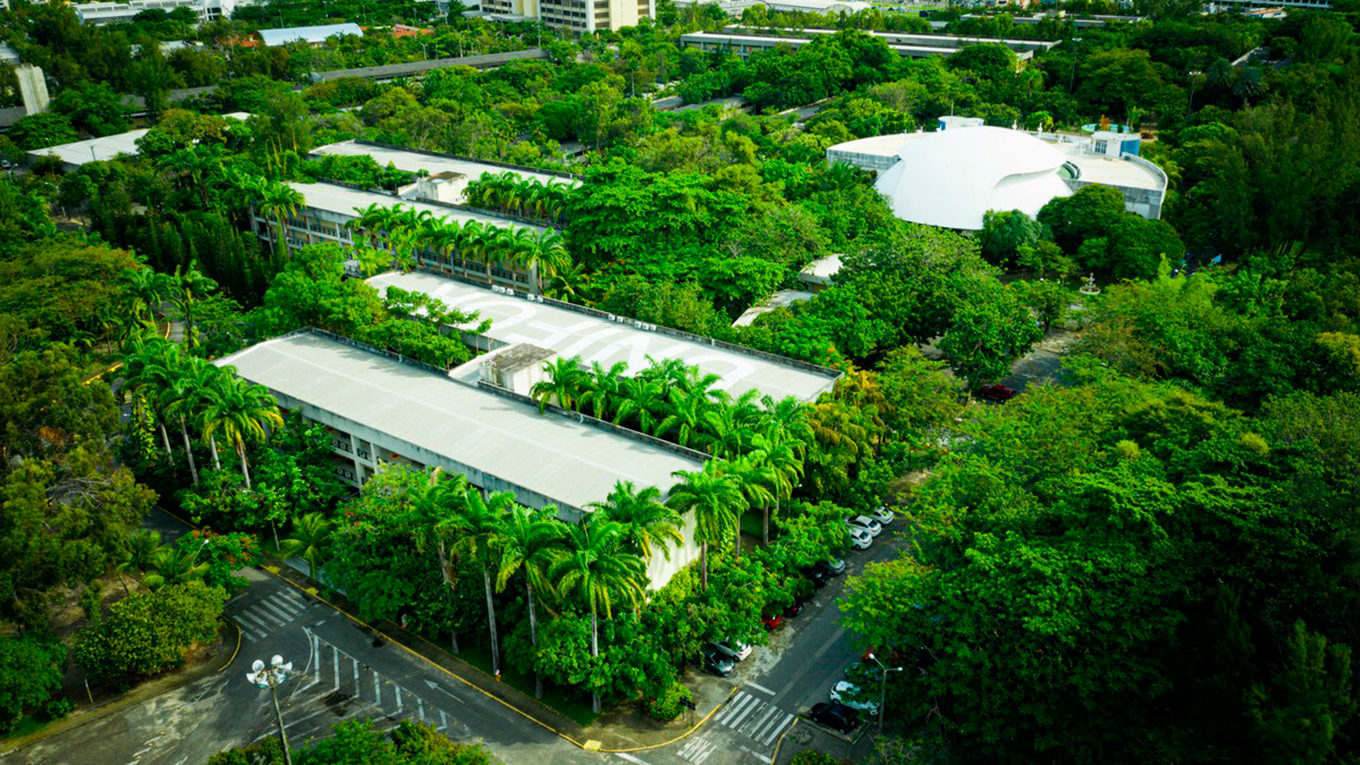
{"x":219,"y":658}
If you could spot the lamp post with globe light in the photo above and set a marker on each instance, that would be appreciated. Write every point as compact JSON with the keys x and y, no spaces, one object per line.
{"x":272,"y":677}
{"x":883,"y":689}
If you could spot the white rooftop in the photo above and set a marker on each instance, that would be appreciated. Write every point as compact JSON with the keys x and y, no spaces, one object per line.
{"x":414,"y":162}
{"x":314,"y":34}
{"x":822,"y":270}
{"x":780,"y":299}
{"x":572,"y":333}
{"x":105,"y":148}
{"x":343,"y":200}
{"x":569,"y":463}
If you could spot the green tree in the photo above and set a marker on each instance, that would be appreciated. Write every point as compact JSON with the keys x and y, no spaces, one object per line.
{"x":477,"y":527}
{"x":714,"y":497}
{"x":988,"y":335}
{"x":145,"y":634}
{"x":645,"y":521}
{"x":38,"y":131}
{"x":312,"y":539}
{"x":31,"y":669}
{"x":240,"y":411}
{"x":527,"y":547}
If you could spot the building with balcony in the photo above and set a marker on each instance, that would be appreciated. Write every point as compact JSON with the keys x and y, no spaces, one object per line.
{"x":575,"y":15}
{"x":743,"y":41}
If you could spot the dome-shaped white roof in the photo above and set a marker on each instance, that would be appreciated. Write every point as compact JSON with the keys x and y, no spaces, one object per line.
{"x":952,"y":177}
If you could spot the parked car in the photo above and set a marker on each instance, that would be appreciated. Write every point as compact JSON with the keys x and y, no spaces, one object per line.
{"x":818,"y":577}
{"x":849,"y":694}
{"x":771,"y":621}
{"x":998,"y":392}
{"x":883,"y":515}
{"x":835,"y":716}
{"x":794,"y":610}
{"x":734,"y":648}
{"x":868,"y":524}
{"x":859,"y":537}
{"x":716,"y":662}
{"x":830,"y":569}
{"x":861,"y":673}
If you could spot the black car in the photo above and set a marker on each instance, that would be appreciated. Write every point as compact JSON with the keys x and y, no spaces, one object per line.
{"x":794,"y":610}
{"x":818,"y":577}
{"x":835,"y":716}
{"x":716,"y":662}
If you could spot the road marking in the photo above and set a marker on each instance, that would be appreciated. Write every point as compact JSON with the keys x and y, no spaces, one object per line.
{"x":443,"y":721}
{"x":377,"y":689}
{"x":151,"y":741}
{"x":756,"y":724}
{"x":259,"y":613}
{"x":776,"y":730}
{"x":760,"y":688}
{"x":253,"y":625}
{"x":398,"y":687}
{"x":318,"y":712}
{"x":837,"y":635}
{"x":336,"y":653}
{"x":278,"y":611}
{"x":630,"y":758}
{"x":420,"y":707}
{"x":737,"y":718}
{"x":697,"y":750}
{"x":356,"y":675}
{"x":733,"y":706}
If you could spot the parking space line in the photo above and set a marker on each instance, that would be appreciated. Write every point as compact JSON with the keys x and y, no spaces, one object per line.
{"x":377,"y":689}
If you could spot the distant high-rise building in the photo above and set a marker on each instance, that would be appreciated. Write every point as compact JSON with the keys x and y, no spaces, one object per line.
{"x":576,"y":15}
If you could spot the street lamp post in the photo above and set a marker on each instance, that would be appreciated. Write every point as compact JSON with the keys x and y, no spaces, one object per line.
{"x":272,"y":677}
{"x":883,"y":690}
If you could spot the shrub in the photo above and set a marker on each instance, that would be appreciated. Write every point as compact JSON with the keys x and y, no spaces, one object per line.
{"x":670,"y":703}
{"x":30,"y":669}
{"x":59,"y":708}
{"x":145,"y":634}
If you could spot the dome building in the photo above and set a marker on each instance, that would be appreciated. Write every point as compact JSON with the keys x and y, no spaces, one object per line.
{"x":951,"y":177}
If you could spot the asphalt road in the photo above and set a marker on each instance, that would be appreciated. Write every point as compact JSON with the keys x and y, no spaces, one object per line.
{"x":340,"y":672}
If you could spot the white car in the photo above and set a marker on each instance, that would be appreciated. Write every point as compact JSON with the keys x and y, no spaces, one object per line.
{"x":859,"y":537}
{"x":883,"y":515}
{"x":734,"y":648}
{"x":836,"y":565}
{"x":868,"y":524}
{"x":849,"y":694}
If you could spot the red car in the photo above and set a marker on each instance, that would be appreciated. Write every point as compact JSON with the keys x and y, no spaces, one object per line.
{"x":998,"y":392}
{"x":772,"y":622}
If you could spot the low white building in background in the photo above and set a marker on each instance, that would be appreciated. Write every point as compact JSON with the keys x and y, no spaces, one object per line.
{"x":314,"y":35}
{"x":951,"y":177}
{"x":102,"y":149}
{"x":102,"y":13}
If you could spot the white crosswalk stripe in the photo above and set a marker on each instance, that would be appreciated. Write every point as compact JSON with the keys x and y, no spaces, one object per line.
{"x":754,"y":717}
{"x":696,"y":750}
{"x":261,"y":618}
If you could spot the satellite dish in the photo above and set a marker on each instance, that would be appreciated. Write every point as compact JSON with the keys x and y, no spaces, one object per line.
{"x":258,"y":666}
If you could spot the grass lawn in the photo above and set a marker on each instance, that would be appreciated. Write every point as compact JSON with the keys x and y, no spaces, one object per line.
{"x":568,"y":702}
{"x":29,"y":723}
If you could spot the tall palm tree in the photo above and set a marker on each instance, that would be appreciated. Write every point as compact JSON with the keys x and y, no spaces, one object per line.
{"x":791,"y":417}
{"x":545,"y":253}
{"x":596,"y":570}
{"x":646,"y":522}
{"x":190,"y":286}
{"x":240,"y":411}
{"x":783,"y":456}
{"x":431,"y":507}
{"x":686,"y":419}
{"x":730,"y":426}
{"x":753,"y":479}
{"x":181,"y":401}
{"x":528,"y":543}
{"x":150,"y":370}
{"x":563,"y":385}
{"x":146,"y":290}
{"x":201,"y":379}
{"x":312,"y":540}
{"x":571,"y":284}
{"x":716,"y":501}
{"x":278,"y":201}
{"x":479,"y":525}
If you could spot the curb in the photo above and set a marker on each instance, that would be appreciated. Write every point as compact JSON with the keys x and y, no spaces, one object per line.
{"x":107,"y":708}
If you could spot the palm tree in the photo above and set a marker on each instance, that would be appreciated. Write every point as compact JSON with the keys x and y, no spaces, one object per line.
{"x":279,"y":200}
{"x":480,"y":528}
{"x":645,"y":520}
{"x":730,"y":425}
{"x":545,"y":253}
{"x":142,"y":547}
{"x":312,"y":539}
{"x":562,"y":386}
{"x":1251,"y":83}
{"x":181,"y":401}
{"x":595,"y":569}
{"x":190,"y":285}
{"x":151,"y":368}
{"x":240,"y":411}
{"x":174,"y":565}
{"x":602,"y":388}
{"x":686,"y":418}
{"x":201,"y":379}
{"x":790,"y":415}
{"x":753,"y":479}
{"x":432,"y":505}
{"x":716,"y":501}
{"x":642,"y":400}
{"x":782,"y":455}
{"x":571,"y":284}
{"x":146,"y":291}
{"x":530,"y":537}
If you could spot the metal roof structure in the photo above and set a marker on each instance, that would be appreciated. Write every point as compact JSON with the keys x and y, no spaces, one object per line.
{"x":345,"y":201}
{"x":102,"y":149}
{"x":417,"y":68}
{"x":496,"y":441}
{"x":416,"y":161}
{"x":315,"y":34}
{"x":592,"y":335}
